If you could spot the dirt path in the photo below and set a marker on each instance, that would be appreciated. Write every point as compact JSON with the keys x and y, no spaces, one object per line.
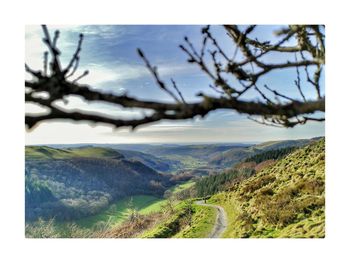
{"x":221,"y":220}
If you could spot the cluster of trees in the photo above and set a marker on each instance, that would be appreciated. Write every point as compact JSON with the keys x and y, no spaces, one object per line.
{"x":215,"y":183}
{"x":37,"y":192}
{"x":275,"y":154}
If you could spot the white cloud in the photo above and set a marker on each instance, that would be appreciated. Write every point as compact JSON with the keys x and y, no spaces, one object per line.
{"x":76,"y":103}
{"x":117,"y":72}
{"x":34,"y":46}
{"x":99,"y":73}
{"x":103,"y":31}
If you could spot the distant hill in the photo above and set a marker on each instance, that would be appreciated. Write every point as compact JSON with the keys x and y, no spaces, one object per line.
{"x":273,"y":145}
{"x":195,"y":151}
{"x":72,"y":183}
{"x":141,"y":147}
{"x":176,"y":157}
{"x":46,"y":153}
{"x":156,"y":163}
{"x":159,"y":164}
{"x":232,"y":156}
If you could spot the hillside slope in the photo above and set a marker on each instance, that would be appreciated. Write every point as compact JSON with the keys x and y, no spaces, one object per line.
{"x":286,"y":199}
{"x":73,"y":183}
{"x":159,"y":164}
{"x":233,"y":156}
{"x":47,"y":153}
{"x":196,"y":151}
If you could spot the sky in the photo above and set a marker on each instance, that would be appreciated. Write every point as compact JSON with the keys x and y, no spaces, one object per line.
{"x":109,"y":53}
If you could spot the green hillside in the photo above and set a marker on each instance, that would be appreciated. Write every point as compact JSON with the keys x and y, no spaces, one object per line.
{"x":286,"y":199}
{"x":159,"y":164}
{"x":119,"y":211}
{"x":187,"y":220}
{"x":113,"y":216}
{"x":47,"y":153}
{"x":233,"y":156}
{"x":96,"y":152}
{"x":84,"y":181}
{"x":195,"y":151}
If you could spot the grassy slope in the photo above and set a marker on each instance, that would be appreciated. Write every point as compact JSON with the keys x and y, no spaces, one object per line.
{"x":230,"y":157}
{"x":180,"y":225}
{"x":284,"y":200}
{"x":115,"y":215}
{"x":180,"y":187}
{"x":45,"y":153}
{"x":167,"y":227}
{"x":144,"y":204}
{"x":270,"y":145}
{"x":202,"y":223}
{"x":95,"y":152}
{"x":118,"y":212}
{"x":187,"y":162}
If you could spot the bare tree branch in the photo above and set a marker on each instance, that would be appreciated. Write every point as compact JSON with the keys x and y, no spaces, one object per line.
{"x":154,"y":72}
{"x":56,"y":83}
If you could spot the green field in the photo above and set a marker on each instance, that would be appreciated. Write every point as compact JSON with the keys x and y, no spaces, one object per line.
{"x":180,"y":187}
{"x":188,"y":162}
{"x":118,"y":212}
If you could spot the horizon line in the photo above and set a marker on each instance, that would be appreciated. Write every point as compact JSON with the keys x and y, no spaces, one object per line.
{"x":164,"y":143}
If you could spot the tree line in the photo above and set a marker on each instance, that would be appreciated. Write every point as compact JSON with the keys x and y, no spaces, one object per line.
{"x":275,"y":154}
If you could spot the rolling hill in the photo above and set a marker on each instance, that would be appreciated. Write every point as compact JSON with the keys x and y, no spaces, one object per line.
{"x":197,"y":151}
{"x":73,"y":183}
{"x":48,"y":153}
{"x":159,"y":164}
{"x":232,"y":156}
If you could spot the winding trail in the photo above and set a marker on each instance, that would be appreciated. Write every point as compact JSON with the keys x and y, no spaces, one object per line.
{"x":220,"y":222}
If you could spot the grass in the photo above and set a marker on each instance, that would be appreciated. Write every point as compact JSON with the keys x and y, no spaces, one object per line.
{"x":112,"y":217}
{"x":95,"y":152}
{"x":119,"y":211}
{"x":188,"y":221}
{"x":46,"y":153}
{"x":180,"y":187}
{"x":166,"y":227}
{"x":202,"y":223}
{"x":310,"y":227}
{"x":155,"y":206}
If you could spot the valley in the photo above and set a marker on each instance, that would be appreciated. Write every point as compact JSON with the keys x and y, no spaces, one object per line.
{"x":273,"y":189}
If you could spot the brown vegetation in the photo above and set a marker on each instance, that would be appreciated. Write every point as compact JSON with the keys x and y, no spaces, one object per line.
{"x":131,"y":228}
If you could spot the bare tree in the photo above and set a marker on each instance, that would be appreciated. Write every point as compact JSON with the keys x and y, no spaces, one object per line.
{"x":233,"y":74}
